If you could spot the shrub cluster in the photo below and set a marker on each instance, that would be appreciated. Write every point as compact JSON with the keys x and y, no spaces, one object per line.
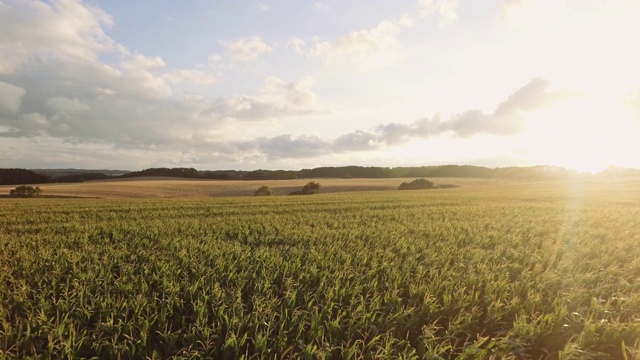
{"x":312,"y":187}
{"x":25,"y":191}
{"x":416,"y":184}
{"x":264,"y":191}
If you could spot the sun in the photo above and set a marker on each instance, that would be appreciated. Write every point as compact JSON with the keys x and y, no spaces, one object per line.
{"x":585,"y":134}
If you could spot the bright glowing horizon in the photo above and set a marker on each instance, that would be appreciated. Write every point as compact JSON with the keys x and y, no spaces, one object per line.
{"x":290,"y":85}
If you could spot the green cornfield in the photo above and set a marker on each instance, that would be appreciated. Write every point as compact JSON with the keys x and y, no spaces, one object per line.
{"x":517,"y":271}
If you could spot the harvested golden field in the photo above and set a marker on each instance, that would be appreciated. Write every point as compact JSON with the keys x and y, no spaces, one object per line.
{"x":192,"y":188}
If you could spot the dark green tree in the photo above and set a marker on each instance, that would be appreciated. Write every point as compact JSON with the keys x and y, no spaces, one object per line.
{"x":25,"y":191}
{"x":310,"y":188}
{"x":416,"y":184}
{"x":264,"y":191}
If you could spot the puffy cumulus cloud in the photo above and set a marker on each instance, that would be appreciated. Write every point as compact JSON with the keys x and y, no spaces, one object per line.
{"x":55,"y":89}
{"x":446,"y":10}
{"x":505,"y":120}
{"x":533,"y":95}
{"x":245,"y":50}
{"x":142,"y":75}
{"x":297,"y":45}
{"x":113,"y":113}
{"x":279,"y":147}
{"x":276,"y":99}
{"x":64,"y":105}
{"x":365,"y":49}
{"x":56,"y":86}
{"x":356,"y":141}
{"x":140,"y":62}
{"x":285,"y":146}
{"x":68,"y":29}
{"x":25,"y":126}
{"x":474,"y":122}
{"x":10,"y":97}
{"x":369,"y":49}
{"x":36,"y":123}
{"x":83,"y":104}
{"x":69,"y":35}
{"x":295,"y":94}
{"x":79,"y":112}
{"x":397,"y":133}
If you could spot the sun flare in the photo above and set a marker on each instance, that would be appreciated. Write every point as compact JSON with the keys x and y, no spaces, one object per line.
{"x":586,"y":134}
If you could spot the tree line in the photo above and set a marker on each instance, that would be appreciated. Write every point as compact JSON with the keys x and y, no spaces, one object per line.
{"x":24,"y":176}
{"x":533,"y":173}
{"x":372,"y":172}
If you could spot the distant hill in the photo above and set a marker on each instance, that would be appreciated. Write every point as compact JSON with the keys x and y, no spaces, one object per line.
{"x":531,"y":173}
{"x":45,"y":176}
{"x":460,"y":171}
{"x":617,"y":172}
{"x":82,"y":177}
{"x":57,"y":173}
{"x":22,"y":176}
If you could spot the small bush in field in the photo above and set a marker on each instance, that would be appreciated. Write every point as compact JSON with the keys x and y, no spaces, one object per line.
{"x":416,"y":184}
{"x":264,"y":191}
{"x":24,"y":191}
{"x":312,"y":187}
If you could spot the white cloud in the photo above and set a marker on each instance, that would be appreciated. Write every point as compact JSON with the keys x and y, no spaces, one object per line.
{"x":265,"y":7}
{"x":446,"y":10}
{"x":140,"y":71}
{"x":288,"y":146}
{"x":504,"y":121}
{"x":369,"y":49}
{"x":140,"y":62}
{"x":34,"y":120}
{"x":67,"y":28}
{"x":297,"y":44}
{"x":245,"y":50}
{"x":56,"y":87}
{"x":192,"y":76}
{"x":104,"y":91}
{"x":363,"y":49}
{"x":276,"y":99}
{"x":295,"y":95}
{"x":65,"y":105}
{"x":10,"y":97}
{"x":532,"y":96}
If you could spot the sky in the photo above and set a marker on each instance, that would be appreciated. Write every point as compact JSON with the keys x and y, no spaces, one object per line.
{"x":214,"y":85}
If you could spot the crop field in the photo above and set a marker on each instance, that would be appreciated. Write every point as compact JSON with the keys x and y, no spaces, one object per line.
{"x":511,"y":271}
